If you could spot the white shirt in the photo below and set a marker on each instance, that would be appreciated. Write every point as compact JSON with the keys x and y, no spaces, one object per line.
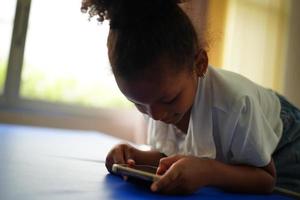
{"x":233,"y":120}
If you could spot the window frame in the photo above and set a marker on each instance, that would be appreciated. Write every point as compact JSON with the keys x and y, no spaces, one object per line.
{"x":18,"y":110}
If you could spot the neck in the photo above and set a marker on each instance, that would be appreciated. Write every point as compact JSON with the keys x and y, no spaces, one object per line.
{"x":183,"y":124}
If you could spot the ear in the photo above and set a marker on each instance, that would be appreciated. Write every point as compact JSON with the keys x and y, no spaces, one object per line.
{"x":201,"y":62}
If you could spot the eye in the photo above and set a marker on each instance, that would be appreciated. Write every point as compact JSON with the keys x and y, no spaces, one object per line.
{"x":172,"y":100}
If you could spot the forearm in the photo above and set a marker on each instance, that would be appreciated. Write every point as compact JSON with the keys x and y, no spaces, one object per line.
{"x":241,"y":178}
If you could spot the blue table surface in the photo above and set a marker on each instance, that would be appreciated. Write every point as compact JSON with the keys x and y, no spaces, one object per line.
{"x":44,"y":163}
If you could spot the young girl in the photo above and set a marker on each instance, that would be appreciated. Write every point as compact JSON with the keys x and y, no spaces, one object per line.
{"x":206,"y":126}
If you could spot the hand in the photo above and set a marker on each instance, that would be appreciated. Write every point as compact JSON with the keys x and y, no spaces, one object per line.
{"x":120,"y":154}
{"x":182,"y":174}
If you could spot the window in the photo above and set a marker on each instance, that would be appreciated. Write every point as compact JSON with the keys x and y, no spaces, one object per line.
{"x":58,"y":73}
{"x":7,"y":11}
{"x":255,"y":40}
{"x":66,"y":58}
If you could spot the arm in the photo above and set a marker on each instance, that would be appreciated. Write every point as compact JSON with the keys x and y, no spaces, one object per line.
{"x":242,"y":178}
{"x":190,"y":173}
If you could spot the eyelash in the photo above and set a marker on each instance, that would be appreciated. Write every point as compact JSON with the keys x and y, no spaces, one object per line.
{"x":172,"y":100}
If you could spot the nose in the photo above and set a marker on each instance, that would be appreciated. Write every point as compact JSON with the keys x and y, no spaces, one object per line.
{"x":157,"y":112}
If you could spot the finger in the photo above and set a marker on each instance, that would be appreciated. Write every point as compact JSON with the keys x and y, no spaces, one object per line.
{"x":128,"y":156}
{"x":166,"y":163}
{"x":130,"y":162}
{"x":118,"y":156}
{"x":109,"y":162}
{"x":161,"y":169}
{"x":166,"y":180}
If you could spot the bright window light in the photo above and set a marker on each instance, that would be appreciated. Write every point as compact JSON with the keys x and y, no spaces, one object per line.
{"x":66,"y":57}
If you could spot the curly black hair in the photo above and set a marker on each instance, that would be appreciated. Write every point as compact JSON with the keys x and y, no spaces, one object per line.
{"x":142,"y":31}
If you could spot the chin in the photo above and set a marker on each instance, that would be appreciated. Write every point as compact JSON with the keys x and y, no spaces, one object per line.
{"x":167,"y":121}
{"x":174,"y":120}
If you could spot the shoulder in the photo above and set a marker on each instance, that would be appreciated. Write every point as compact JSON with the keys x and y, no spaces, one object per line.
{"x":231,"y":91}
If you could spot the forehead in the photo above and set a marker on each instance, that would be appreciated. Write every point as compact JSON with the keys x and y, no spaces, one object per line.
{"x":153,"y":86}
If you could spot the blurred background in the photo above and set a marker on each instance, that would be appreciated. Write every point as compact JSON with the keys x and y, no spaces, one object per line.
{"x":54,"y":69}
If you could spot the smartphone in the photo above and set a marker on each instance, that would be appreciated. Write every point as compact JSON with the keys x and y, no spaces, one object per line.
{"x":144,"y":172}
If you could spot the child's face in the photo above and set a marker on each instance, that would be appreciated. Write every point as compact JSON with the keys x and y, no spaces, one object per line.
{"x":162,"y":94}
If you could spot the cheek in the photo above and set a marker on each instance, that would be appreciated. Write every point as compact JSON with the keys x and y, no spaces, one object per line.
{"x":186,"y":101}
{"x":182,"y":107}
